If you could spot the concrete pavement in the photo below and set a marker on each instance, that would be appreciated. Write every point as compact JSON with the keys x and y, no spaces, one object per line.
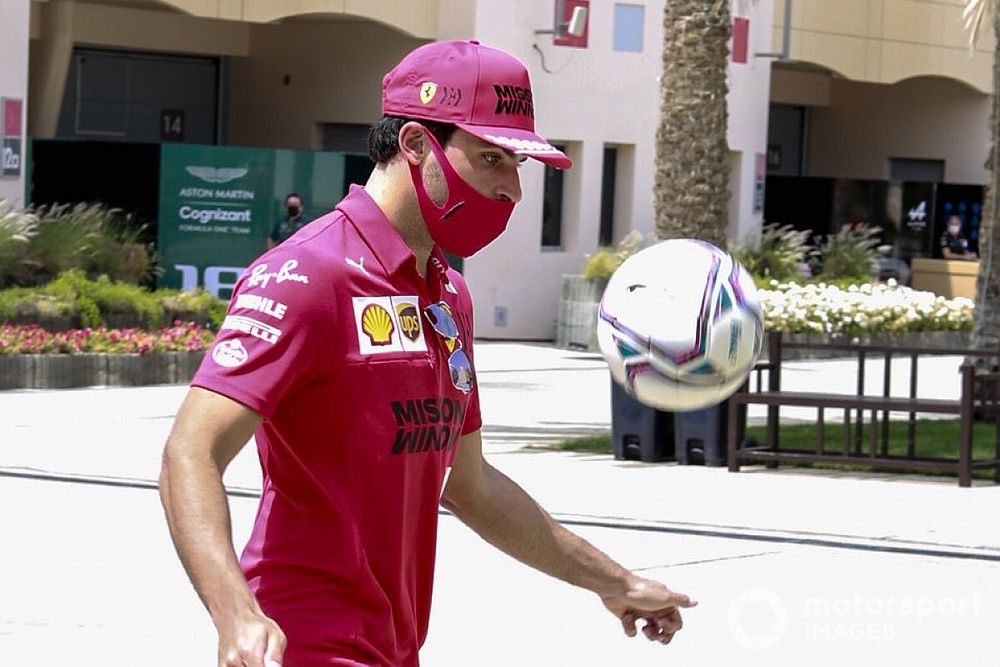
{"x":790,"y":566}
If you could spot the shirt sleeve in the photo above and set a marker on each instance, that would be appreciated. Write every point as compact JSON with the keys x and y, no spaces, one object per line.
{"x":275,"y":335}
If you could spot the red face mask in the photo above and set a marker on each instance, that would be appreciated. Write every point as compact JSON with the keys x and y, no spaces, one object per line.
{"x":468,"y":221}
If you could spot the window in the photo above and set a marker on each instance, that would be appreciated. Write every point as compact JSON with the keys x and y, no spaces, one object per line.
{"x":608,"y":174}
{"x":628,"y":27}
{"x":909,"y":169}
{"x":552,"y":206}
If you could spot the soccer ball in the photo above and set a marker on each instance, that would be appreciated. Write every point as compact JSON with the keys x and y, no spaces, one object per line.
{"x":680,"y":325}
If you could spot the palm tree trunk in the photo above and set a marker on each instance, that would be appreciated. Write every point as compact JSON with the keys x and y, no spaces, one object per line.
{"x":691,"y":187}
{"x":986,"y":327}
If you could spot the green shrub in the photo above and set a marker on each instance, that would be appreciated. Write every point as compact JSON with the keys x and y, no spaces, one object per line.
{"x":16,"y":231}
{"x":73,"y":300}
{"x":851,"y":252}
{"x":93,"y":238}
{"x":109,"y":303}
{"x":193,"y":306}
{"x":25,"y":305}
{"x":779,"y":254}
{"x":601,"y":264}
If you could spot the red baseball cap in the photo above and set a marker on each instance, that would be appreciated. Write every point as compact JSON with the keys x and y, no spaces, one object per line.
{"x":484,"y":91}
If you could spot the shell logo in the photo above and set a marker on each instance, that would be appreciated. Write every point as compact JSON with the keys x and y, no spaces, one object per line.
{"x":376,"y":322}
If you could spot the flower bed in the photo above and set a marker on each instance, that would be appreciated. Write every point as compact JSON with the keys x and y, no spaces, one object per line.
{"x":33,"y":339}
{"x":33,"y":358}
{"x":863,"y":310}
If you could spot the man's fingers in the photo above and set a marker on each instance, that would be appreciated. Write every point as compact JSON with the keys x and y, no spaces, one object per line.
{"x":628,"y":624}
{"x":275,"y":649}
{"x":681,"y":600}
{"x":671,"y":622}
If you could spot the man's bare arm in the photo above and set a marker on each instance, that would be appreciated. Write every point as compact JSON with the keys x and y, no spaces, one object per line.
{"x":507,"y":517}
{"x":208,"y":432}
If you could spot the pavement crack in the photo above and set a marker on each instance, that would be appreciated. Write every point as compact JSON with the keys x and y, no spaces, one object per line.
{"x":705,"y":560}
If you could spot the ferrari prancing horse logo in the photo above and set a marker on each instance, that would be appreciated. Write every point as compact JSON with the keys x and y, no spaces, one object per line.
{"x":427,"y":91}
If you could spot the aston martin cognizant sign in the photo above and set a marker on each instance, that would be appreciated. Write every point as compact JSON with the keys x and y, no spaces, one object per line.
{"x":219,"y":203}
{"x":215,"y":213}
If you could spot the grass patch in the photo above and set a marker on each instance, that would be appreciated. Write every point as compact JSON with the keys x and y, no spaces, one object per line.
{"x":586,"y":444}
{"x":934,"y":438}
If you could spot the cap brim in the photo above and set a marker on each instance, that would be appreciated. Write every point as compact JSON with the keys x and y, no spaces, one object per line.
{"x":521,"y":142}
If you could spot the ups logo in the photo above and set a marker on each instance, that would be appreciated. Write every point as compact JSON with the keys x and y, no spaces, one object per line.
{"x":409,"y":321}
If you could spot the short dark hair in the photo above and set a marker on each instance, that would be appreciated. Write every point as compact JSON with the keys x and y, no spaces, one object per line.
{"x":383,"y":137}
{"x":293,"y":194}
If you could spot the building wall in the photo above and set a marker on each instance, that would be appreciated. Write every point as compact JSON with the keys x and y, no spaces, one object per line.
{"x":59,"y":25}
{"x":886,"y":41}
{"x":926,"y":118}
{"x":14,"y":26}
{"x":418,"y":18}
{"x":591,"y":97}
{"x":302,"y":73}
{"x":748,"y":100}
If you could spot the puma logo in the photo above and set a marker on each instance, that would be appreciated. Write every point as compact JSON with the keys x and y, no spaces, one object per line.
{"x":360,"y":264}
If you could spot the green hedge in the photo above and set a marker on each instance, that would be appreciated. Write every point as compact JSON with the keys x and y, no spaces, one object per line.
{"x":72,"y":300}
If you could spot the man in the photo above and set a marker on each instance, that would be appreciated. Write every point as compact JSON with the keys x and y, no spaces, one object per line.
{"x":348,"y":352}
{"x":292,"y":223}
{"x":954,"y":245}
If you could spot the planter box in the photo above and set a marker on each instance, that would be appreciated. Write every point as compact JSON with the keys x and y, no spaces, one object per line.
{"x":17,"y":371}
{"x":576,"y":326}
{"x":61,"y":371}
{"x":133,"y":370}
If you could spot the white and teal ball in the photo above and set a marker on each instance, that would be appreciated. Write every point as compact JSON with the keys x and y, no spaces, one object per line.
{"x":680,"y":325}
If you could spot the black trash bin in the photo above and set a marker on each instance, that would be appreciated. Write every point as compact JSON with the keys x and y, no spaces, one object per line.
{"x":700,"y":435}
{"x":640,"y":433}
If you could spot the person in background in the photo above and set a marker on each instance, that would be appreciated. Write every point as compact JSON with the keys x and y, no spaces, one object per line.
{"x":954,"y":245}
{"x":292,"y":223}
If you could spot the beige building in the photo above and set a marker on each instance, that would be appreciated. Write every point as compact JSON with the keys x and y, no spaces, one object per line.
{"x":885,"y":80}
{"x":870,"y":86}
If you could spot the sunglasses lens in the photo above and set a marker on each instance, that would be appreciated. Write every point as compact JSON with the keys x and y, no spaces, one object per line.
{"x":461,"y":370}
{"x":442,"y":321}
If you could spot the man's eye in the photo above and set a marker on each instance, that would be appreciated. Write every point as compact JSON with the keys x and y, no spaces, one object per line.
{"x":492,"y":158}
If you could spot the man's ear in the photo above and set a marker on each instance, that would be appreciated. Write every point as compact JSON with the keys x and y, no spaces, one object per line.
{"x":413,"y":144}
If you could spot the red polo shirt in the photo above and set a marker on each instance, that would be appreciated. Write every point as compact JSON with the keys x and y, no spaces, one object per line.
{"x":326,"y":338}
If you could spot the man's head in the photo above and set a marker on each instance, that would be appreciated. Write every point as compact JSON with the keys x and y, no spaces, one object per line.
{"x":954,"y":225}
{"x":293,"y":205}
{"x":481,"y":90}
{"x":458,"y":119}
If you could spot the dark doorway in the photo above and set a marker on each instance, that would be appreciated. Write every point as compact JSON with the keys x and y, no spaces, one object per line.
{"x":122,"y":175}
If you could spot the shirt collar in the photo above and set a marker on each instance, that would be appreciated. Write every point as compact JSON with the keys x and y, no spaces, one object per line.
{"x":384,"y":240}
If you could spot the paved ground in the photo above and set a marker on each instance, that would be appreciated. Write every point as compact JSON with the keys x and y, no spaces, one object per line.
{"x":790,"y":567}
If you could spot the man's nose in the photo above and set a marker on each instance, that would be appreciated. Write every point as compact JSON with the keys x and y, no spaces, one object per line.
{"x":510,"y":187}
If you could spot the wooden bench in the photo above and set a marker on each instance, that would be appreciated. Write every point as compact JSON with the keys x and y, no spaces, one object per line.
{"x":980,"y":395}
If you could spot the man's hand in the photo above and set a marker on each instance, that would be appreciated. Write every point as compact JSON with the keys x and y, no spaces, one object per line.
{"x":250,"y":640}
{"x":653,"y":602}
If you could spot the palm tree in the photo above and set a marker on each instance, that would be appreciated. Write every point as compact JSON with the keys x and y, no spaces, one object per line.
{"x":691,"y":187}
{"x":986,"y":328}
